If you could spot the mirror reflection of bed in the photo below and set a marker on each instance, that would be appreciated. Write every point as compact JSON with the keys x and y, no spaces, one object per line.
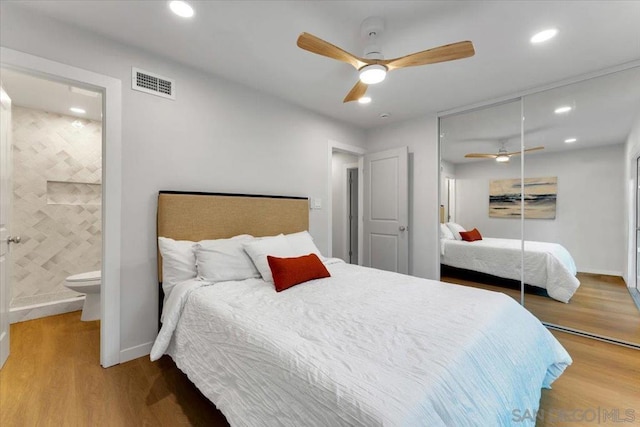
{"x":576,"y":202}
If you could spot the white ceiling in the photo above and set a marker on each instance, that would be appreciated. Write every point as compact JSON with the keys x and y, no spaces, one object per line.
{"x":604,"y":110}
{"x":254,"y":43}
{"x":35,"y":92}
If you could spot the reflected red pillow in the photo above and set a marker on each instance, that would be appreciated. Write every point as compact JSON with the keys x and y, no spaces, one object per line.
{"x":471,"y":236}
{"x":288,"y":272}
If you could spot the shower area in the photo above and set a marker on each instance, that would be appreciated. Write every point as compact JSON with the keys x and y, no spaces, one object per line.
{"x":57,"y":193}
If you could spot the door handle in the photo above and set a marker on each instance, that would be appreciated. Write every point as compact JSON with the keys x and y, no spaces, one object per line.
{"x":402,"y":228}
{"x":14,"y":239}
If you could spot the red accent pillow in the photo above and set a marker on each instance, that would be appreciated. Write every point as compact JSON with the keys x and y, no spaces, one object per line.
{"x":288,"y":272}
{"x":471,"y":236}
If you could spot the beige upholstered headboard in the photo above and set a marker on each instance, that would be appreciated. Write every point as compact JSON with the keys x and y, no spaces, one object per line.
{"x":200,"y":216}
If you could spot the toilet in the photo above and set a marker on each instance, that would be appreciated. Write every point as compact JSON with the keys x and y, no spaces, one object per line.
{"x":89,"y":284}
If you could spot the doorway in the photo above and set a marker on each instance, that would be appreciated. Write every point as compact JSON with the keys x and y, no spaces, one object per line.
{"x":352,"y":213}
{"x":56,"y":196}
{"x":341,"y":198}
{"x":111,"y":192}
{"x":340,"y":159}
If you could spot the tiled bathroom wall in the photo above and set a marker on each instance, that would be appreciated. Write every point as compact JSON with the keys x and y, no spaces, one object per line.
{"x":57,"y":170}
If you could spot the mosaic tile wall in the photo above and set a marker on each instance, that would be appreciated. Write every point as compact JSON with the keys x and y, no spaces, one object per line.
{"x":57,"y":169}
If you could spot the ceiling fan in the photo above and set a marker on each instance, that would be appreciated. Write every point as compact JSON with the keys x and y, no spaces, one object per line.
{"x":372,"y":67}
{"x":502,"y":156}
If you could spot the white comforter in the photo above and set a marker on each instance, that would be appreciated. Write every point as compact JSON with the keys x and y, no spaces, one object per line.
{"x":546,"y":265}
{"x":364,"y":347}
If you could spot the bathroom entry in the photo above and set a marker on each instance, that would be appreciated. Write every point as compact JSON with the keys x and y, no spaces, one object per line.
{"x":56,"y":193}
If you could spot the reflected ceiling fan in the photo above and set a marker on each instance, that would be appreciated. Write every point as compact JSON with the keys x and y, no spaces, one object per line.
{"x":372,"y":67}
{"x":502,"y":156}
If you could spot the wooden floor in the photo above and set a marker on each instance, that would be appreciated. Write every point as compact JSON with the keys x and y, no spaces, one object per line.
{"x":602,"y":305}
{"x":53,"y":378}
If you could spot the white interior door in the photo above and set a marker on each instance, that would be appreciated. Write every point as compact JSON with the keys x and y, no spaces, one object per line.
{"x":5,"y":210}
{"x":386,"y":210}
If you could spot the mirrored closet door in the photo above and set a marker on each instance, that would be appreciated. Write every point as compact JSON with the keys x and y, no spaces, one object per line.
{"x":550,"y":183}
{"x":579,"y":197}
{"x":480,"y":193}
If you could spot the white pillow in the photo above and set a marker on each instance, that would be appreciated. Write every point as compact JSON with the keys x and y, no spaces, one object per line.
{"x":178,"y":262}
{"x":302,"y":244}
{"x":445,"y":232}
{"x":258,"y":250}
{"x":456,"y":229}
{"x":222,"y":260}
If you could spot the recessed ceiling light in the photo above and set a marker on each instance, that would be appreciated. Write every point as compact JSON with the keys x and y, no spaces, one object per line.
{"x":543,"y":36}
{"x":364,"y":100}
{"x":563,"y":109}
{"x":570,"y":140}
{"x":77,"y":110}
{"x":181,"y":8}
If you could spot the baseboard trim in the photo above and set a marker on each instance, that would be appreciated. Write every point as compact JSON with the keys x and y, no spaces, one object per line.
{"x":603,"y":272}
{"x":45,"y":309}
{"x":609,"y":340}
{"x":135,"y":352}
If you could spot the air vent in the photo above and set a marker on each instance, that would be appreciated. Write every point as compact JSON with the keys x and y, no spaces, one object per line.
{"x":154,"y":84}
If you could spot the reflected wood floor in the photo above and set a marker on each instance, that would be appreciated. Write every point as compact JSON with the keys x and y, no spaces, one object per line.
{"x":53,"y":378}
{"x":602,"y":305}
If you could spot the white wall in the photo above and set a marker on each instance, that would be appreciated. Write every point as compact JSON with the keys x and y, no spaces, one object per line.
{"x":472,"y":197}
{"x":338,"y":199}
{"x":216,"y":136}
{"x":589,"y":211}
{"x":631,"y":152}
{"x":421,"y":136}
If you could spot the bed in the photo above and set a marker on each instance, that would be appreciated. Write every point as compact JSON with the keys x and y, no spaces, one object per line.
{"x":547,"y":265}
{"x":361,"y":347}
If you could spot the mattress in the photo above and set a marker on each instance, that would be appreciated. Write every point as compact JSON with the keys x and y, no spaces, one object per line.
{"x":546,"y":265}
{"x":362,"y":348}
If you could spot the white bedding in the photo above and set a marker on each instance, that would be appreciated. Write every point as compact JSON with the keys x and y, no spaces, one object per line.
{"x":546,"y":265}
{"x":364,"y":347}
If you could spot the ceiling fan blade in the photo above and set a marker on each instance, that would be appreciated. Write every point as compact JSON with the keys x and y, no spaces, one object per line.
{"x":318,"y":46}
{"x":444,"y":53}
{"x":356,"y":92}
{"x":480,"y":156}
{"x":534,"y":148}
{"x":515,"y":153}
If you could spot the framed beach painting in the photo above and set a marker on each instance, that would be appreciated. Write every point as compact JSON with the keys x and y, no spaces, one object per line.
{"x":539,"y":198}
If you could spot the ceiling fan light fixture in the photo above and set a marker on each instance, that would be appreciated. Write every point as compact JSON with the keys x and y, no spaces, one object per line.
{"x":364,"y":100}
{"x":373,"y":74}
{"x":502,"y":158}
